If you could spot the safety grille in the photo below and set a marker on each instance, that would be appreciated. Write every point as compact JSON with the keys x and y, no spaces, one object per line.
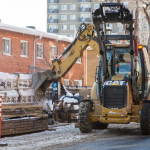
{"x":114,"y":97}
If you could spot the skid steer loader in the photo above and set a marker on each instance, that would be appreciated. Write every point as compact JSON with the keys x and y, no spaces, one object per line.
{"x":120,"y":93}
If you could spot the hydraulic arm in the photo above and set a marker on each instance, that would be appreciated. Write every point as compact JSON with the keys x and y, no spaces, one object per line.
{"x":85,"y":37}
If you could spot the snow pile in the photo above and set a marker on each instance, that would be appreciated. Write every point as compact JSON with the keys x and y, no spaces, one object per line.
{"x":12,"y":96}
{"x":8,"y":81}
{"x":25,"y":81}
{"x":68,"y":98}
{"x":16,"y":87}
{"x":29,"y":92}
{"x":46,"y":104}
{"x":25,"y":76}
{"x":6,"y":76}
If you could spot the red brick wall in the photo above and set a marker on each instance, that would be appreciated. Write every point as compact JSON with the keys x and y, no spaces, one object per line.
{"x":16,"y":63}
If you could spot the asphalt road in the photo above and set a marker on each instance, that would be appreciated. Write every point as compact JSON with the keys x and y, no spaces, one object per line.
{"x":67,"y":137}
{"x":122,"y":137}
{"x":115,"y":143}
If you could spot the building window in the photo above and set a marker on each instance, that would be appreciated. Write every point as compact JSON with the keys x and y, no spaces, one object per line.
{"x":64,"y":27}
{"x":85,"y":15}
{"x":53,"y":7}
{"x":63,"y":17}
{"x":72,"y":27}
{"x":39,"y":50}
{"x":53,"y":52}
{"x":72,"y":7}
{"x":63,"y":7}
{"x":86,"y":5}
{"x":6,"y":46}
{"x":53,"y":17}
{"x":66,"y":82}
{"x":96,"y":6}
{"x":78,"y":60}
{"x":24,"y":48}
{"x":77,"y":82}
{"x":72,"y":17}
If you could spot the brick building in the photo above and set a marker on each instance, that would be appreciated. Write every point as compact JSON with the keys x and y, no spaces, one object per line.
{"x":25,"y":50}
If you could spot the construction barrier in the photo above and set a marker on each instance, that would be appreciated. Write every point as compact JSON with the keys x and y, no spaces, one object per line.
{"x":0,"y":114}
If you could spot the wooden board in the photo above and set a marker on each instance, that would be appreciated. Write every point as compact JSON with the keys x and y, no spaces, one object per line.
{"x":24,"y":125}
{"x":21,"y":110}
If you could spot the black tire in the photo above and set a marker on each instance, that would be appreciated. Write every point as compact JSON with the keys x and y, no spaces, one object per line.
{"x":145,"y":119}
{"x":99,"y":125}
{"x":84,"y":117}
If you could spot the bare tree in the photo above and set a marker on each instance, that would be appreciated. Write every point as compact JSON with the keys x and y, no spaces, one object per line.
{"x":146,"y":10}
{"x":137,"y":19}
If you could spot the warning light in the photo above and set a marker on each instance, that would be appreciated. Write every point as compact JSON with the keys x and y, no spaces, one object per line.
{"x":140,"y":46}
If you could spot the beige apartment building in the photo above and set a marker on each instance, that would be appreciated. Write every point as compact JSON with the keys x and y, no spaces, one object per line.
{"x":65,"y":16}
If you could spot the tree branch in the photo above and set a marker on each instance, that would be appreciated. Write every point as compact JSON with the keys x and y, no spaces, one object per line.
{"x":147,"y":4}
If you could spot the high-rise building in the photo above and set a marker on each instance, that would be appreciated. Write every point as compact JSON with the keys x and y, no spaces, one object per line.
{"x":65,"y":16}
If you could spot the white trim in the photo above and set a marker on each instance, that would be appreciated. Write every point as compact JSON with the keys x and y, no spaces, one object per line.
{"x":9,"y":39}
{"x":63,"y":17}
{"x":79,"y":60}
{"x":63,"y":7}
{"x":34,"y":32}
{"x":23,"y":41}
{"x":79,"y":82}
{"x":41,"y":52}
{"x":24,"y":56}
{"x":66,"y":80}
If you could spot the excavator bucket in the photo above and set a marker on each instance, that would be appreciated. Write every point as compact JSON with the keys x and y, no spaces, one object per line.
{"x":42,"y":80}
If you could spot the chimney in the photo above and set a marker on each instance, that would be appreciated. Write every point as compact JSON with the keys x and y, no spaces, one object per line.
{"x":31,"y":27}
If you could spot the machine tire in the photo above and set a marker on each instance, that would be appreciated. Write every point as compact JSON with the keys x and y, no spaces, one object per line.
{"x":145,"y":119}
{"x":99,"y":125}
{"x":84,"y":117}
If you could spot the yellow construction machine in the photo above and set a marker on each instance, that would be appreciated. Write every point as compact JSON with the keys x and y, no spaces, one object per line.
{"x":120,"y":93}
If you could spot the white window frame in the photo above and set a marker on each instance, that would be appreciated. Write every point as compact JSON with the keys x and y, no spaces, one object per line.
{"x":54,"y":50}
{"x":72,"y":7}
{"x":53,"y":17}
{"x":41,"y":44}
{"x":96,"y":6}
{"x":53,"y":7}
{"x":79,"y":83}
{"x":8,"y":48}
{"x":85,"y":15}
{"x":72,"y":17}
{"x":63,"y":7}
{"x":63,"y":17}
{"x":64,"y":27}
{"x":79,"y":60}
{"x":72,"y":27}
{"x":66,"y":82}
{"x":26,"y":48}
{"x":53,"y":27}
{"x":87,"y":5}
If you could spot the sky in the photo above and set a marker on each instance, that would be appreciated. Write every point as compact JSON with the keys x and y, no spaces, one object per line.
{"x":22,"y":13}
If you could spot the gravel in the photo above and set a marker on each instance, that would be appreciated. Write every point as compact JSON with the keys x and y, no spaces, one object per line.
{"x":65,"y":136}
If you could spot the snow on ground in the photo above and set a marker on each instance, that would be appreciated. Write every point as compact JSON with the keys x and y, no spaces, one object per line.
{"x":65,"y":136}
{"x":68,"y":98}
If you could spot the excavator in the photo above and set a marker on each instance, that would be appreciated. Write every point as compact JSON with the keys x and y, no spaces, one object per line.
{"x":120,"y":94}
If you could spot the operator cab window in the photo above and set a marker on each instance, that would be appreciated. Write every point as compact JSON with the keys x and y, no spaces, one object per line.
{"x":122,"y":60}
